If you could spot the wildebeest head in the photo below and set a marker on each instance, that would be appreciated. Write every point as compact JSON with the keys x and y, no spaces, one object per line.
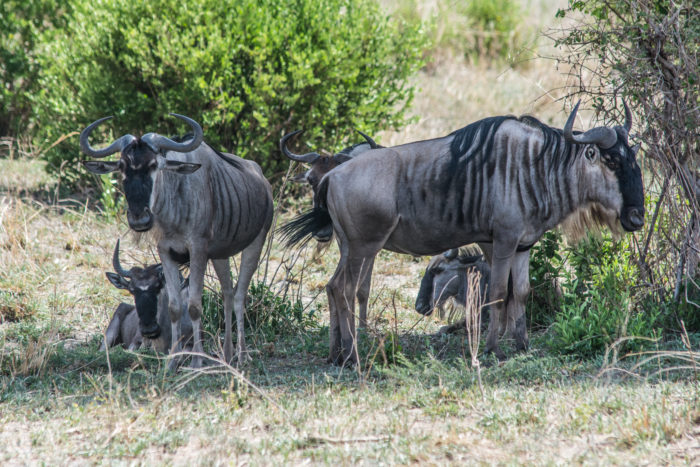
{"x":322,"y":164}
{"x":140,"y":160}
{"x":145,"y":284}
{"x":446,"y":278}
{"x":610,"y":172}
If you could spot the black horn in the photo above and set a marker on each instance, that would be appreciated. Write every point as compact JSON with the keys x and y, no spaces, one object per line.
{"x":602,"y":136}
{"x":369,"y":140}
{"x":116,"y":146}
{"x":628,"y":117}
{"x":308,"y":158}
{"x":162,"y":143}
{"x":115,"y":263}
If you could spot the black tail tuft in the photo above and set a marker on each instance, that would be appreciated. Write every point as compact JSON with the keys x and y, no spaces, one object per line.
{"x":301,"y":228}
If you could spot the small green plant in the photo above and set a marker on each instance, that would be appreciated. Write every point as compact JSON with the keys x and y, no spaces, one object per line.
{"x":545,"y":267}
{"x":267,"y":313}
{"x":111,"y":200}
{"x":599,"y":305}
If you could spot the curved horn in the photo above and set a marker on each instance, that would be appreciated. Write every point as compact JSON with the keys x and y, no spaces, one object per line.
{"x":369,"y":140}
{"x":115,"y":263}
{"x":628,"y":117}
{"x":116,"y":146}
{"x":451,"y":254}
{"x":602,"y":136}
{"x":166,"y":144}
{"x":308,"y":158}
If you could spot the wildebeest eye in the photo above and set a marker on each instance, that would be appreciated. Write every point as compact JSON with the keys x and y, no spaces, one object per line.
{"x":152,"y":165}
{"x":590,"y":153}
{"x":612,"y":164}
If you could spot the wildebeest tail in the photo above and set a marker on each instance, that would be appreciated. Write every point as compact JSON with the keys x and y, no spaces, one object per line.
{"x":301,"y":228}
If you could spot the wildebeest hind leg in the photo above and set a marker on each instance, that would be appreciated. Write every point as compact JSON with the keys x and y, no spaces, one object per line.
{"x":249,"y":263}
{"x":223,"y":272}
{"x":500,"y":270}
{"x":363,"y":293}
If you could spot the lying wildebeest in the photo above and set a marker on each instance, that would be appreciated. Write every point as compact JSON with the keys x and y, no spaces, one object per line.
{"x":149,"y":316}
{"x":320,"y":166}
{"x":446,"y":276}
{"x":501,"y":182}
{"x":205,"y":205}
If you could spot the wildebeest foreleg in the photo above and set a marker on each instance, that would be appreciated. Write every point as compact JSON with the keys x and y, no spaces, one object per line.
{"x":113,"y":334}
{"x":198,"y":266}
{"x":500,"y":270}
{"x":171,"y":271}
{"x":516,"y":304}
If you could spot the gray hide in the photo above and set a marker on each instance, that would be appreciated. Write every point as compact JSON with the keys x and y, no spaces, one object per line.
{"x":320,"y":165}
{"x":501,"y":182}
{"x":204,"y":205}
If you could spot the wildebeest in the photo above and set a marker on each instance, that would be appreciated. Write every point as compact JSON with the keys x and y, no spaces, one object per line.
{"x":501,"y":182}
{"x":445,"y":278}
{"x":205,"y":205}
{"x":320,"y":166}
{"x":149,"y":315}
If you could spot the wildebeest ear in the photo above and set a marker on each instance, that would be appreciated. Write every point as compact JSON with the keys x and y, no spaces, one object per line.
{"x":101,"y":167}
{"x":635,"y":149}
{"x":117,"y":280}
{"x":181,"y":167}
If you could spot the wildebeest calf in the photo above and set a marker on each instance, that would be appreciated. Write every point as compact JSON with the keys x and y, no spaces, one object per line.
{"x":446,"y":277}
{"x":131,"y":325}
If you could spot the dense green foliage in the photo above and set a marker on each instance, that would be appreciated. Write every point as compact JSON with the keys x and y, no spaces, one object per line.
{"x":22,"y":23}
{"x":248,"y":71}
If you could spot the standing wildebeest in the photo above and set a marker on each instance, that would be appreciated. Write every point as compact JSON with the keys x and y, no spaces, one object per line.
{"x":206,"y":206}
{"x":501,"y":182}
{"x":320,"y":166}
{"x":149,"y":316}
{"x":446,"y":278}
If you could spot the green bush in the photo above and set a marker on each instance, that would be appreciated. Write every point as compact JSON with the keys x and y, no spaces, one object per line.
{"x":21,"y":24}
{"x":599,"y":305}
{"x":247,"y":70}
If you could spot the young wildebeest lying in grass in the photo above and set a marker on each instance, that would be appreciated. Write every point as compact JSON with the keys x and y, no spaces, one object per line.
{"x":501,"y":182}
{"x":205,"y":205}
{"x":148,"y":320}
{"x":445,"y":278}
{"x":320,"y":166}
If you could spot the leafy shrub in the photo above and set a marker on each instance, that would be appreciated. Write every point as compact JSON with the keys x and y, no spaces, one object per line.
{"x":599,"y":305}
{"x":247,"y":70}
{"x":21,"y":24}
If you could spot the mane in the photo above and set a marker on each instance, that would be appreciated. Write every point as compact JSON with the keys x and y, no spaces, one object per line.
{"x":470,"y":250}
{"x":590,"y":218}
{"x":227,"y":159}
{"x":476,"y":141}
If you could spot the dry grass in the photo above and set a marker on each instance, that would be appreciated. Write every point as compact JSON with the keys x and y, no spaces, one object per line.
{"x":63,"y":402}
